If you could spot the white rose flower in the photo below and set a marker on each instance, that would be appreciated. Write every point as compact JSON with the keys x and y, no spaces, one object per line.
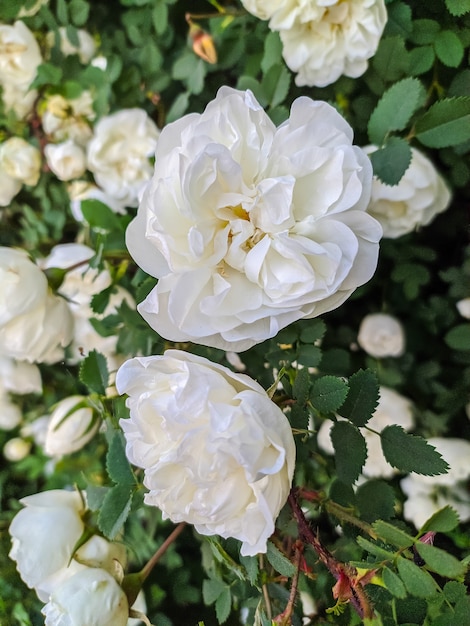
{"x":71,"y":427}
{"x":19,"y":376}
{"x":381,"y":335}
{"x":119,"y":153}
{"x":16,"y":449}
{"x":419,"y":196}
{"x":463,"y":307}
{"x":90,"y":598}
{"x":66,"y":160}
{"x":86,"y":44}
{"x":427,"y":494}
{"x":9,"y":187}
{"x":80,"y":190}
{"x":250,"y":227}
{"x":215,"y":450}
{"x":20,"y":160}
{"x":69,"y":119}
{"x":34,"y":324}
{"x":10,"y":414}
{"x":323,"y":39}
{"x":19,"y":55}
{"x":392,"y":408}
{"x":20,"y":100}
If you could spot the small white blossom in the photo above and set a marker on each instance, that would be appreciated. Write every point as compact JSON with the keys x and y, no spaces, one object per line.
{"x":67,"y":160}
{"x":71,"y":426}
{"x":16,"y":449}
{"x":381,"y":335}
{"x":463,"y":307}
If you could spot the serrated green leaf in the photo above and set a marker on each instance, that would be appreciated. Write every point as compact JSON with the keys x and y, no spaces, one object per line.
{"x":449,"y":49}
{"x":458,"y":337}
{"x":446,"y":123}
{"x":374,"y":549}
{"x":362,"y":398}
{"x":391,"y":161}
{"x":301,"y":386}
{"x":95,"y":495}
{"x":115,"y":509}
{"x":454,"y":591}
{"x":328,"y":393}
{"x":393,"y":535}
{"x":312,"y":330}
{"x":211,"y":589}
{"x":223,"y":604}
{"x":458,"y":7}
{"x":350,"y":451}
{"x":393,"y":583}
{"x":391,"y":61}
{"x":425,"y":31}
{"x":440,"y":561}
{"x":117,"y":465}
{"x":280,"y":562}
{"x":411,"y":453}
{"x":443,"y":521}
{"x":395,"y":108}
{"x":421,"y":60}
{"x":417,"y":581}
{"x":251,"y":564}
{"x":375,"y":500}
{"x":94,"y":372}
{"x":308,"y":355}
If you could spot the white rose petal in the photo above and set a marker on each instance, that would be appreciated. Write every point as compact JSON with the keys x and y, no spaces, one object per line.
{"x":215,"y":450}
{"x":19,"y":55}
{"x":20,"y":160}
{"x":20,"y":100}
{"x":10,"y":414}
{"x":19,"y":376}
{"x":250,"y":227}
{"x":419,"y":196}
{"x":91,"y":597}
{"x":70,"y":428}
{"x":66,"y":160}
{"x":9,"y":187}
{"x":86,"y":44}
{"x":463,"y":307}
{"x":381,"y":335}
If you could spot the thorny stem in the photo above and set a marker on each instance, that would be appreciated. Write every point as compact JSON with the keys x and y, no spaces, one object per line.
{"x":145,"y":571}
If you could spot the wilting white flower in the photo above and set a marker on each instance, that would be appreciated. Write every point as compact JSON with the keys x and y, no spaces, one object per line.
{"x":250,"y":227}
{"x":80,"y":190}
{"x":71,"y":426}
{"x":19,"y":55}
{"x":463,"y":307}
{"x":419,"y":196}
{"x":381,"y":335}
{"x":119,"y":153}
{"x":44,"y":534}
{"x":215,"y":450}
{"x":69,"y":119}
{"x":35,"y":325}
{"x":427,"y":494}
{"x":86,"y":44}
{"x":392,"y":408}
{"x":66,"y":160}
{"x":92,"y":597}
{"x":16,"y":449}
{"x":323,"y":39}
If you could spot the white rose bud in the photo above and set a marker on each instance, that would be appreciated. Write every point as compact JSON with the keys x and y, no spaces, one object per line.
{"x":20,"y":160}
{"x":19,"y":55}
{"x":214,"y":434}
{"x":91,"y":597}
{"x":19,"y":376}
{"x":70,"y":428}
{"x":323,"y":40}
{"x":419,"y":196}
{"x":119,"y":153}
{"x":16,"y":449}
{"x":463,"y":307}
{"x":10,"y":414}
{"x":66,"y":160}
{"x":381,"y":335}
{"x":251,"y":230}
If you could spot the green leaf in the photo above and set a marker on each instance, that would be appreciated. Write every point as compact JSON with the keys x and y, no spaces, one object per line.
{"x":223,"y":604}
{"x":178,"y":107}
{"x":117,"y":465}
{"x":308,"y":355}
{"x":374,"y":549}
{"x":301,"y":386}
{"x":160,"y":18}
{"x":449,"y":49}
{"x":458,"y":338}
{"x":62,"y":12}
{"x":446,"y":123}
{"x":391,"y":161}
{"x":272,"y":51}
{"x":115,"y":509}
{"x":399,"y":20}
{"x":395,"y":108}
{"x":411,"y":453}
{"x":458,"y":7}
{"x":421,"y":60}
{"x":375,"y":500}
{"x":251,"y":564}
{"x":440,"y":561}
{"x":362,"y":397}
{"x":393,"y":535}
{"x":99,"y":216}
{"x":454,"y":591}
{"x":312,"y":330}
{"x":328,"y":393}
{"x":276,"y":83}
{"x":47,"y":74}
{"x":350,"y":451}
{"x":417,"y":581}
{"x":211,"y":590}
{"x":391,"y":61}
{"x":443,"y":521}
{"x":425,"y":31}
{"x":280,"y":562}
{"x":393,"y":583}
{"x":413,"y":276}
{"x":79,"y":10}
{"x":94,"y":372}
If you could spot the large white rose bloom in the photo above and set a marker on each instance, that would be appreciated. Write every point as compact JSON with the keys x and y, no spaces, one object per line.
{"x":71,"y":426}
{"x":35,"y":325}
{"x":20,"y":55}
{"x":419,"y":196}
{"x":392,"y":408}
{"x":216,"y":451}
{"x":324,"y":39}
{"x":44,"y":534}
{"x":250,"y":227}
{"x":381,"y":335}
{"x":119,"y":153}
{"x":91,"y":597}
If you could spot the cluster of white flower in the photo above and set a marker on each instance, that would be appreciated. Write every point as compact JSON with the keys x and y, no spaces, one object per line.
{"x":324,"y":39}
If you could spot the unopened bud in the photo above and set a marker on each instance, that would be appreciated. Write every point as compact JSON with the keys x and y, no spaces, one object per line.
{"x":203,"y":44}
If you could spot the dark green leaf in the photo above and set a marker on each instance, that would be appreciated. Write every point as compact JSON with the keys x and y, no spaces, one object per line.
{"x":374,"y":549}
{"x":449,"y":49}
{"x":211,"y":590}
{"x":425,"y":31}
{"x":301,"y":386}
{"x":328,"y":393}
{"x":100,"y":300}
{"x":440,"y":561}
{"x":458,"y":7}
{"x":94,"y":372}
{"x":395,"y":108}
{"x":421,"y":60}
{"x":458,"y":338}
{"x":117,"y":465}
{"x":79,"y":10}
{"x":95,"y":495}
{"x":280,"y":562}
{"x":399,"y":20}
{"x":393,"y":583}
{"x":312,"y":330}
{"x":410,"y":453}
{"x":375,"y":500}
{"x":362,"y":397}
{"x":47,"y":74}
{"x":454,"y":591}
{"x":391,"y":161}
{"x":308,"y":355}
{"x":116,"y":506}
{"x":350,"y":451}
{"x":446,"y":123}
{"x":391,"y":60}
{"x":417,"y":581}
{"x":393,"y":535}
{"x":443,"y":521}
{"x":223,"y":605}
